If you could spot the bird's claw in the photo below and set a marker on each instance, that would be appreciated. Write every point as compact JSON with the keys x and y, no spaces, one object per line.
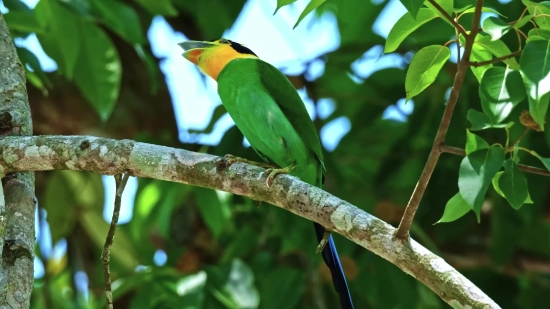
{"x":323,"y":242}
{"x":226,"y":161}
{"x":276,"y":171}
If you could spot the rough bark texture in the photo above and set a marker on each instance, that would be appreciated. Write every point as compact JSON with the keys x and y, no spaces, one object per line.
{"x":17,"y":220}
{"x":107,"y":156}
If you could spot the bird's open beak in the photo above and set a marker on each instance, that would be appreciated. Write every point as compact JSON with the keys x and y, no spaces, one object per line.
{"x":193,"y":49}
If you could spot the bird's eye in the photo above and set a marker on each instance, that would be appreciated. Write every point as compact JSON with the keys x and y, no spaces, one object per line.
{"x":224,"y":41}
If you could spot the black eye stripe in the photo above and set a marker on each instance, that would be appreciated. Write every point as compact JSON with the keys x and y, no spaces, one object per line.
{"x":241,"y":49}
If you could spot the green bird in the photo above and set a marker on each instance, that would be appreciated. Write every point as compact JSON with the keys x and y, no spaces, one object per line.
{"x":268,"y":110}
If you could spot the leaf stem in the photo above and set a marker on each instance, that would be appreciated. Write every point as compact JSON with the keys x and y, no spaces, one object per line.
{"x":448,"y":17}
{"x":408,"y":216}
{"x":482,"y":63}
{"x":521,"y":136}
{"x":120,"y":180}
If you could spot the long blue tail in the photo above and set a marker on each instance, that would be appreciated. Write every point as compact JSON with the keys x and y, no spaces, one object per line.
{"x":330,"y":255}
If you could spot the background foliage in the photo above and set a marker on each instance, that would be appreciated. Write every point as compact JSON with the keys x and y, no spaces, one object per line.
{"x":188,"y":247}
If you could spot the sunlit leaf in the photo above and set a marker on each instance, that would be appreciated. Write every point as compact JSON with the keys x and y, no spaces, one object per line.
{"x":99,"y":72}
{"x":539,"y":34}
{"x":446,"y":5}
{"x":240,"y":285}
{"x":545,"y":161}
{"x":424,"y":68}
{"x":522,"y":21}
{"x":513,"y":184}
{"x":495,"y":27}
{"x":412,"y":6}
{"x":535,"y":71}
{"x":476,"y":173}
{"x":474,"y":142}
{"x":500,"y":91}
{"x":405,"y":26}
{"x":312,"y":5}
{"x":455,"y":208}
{"x":281,"y":3}
{"x":540,"y":12}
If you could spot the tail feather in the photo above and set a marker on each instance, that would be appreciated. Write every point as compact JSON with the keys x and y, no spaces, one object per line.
{"x":330,"y":256}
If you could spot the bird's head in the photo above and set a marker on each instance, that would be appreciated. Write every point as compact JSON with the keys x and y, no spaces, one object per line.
{"x":212,"y":56}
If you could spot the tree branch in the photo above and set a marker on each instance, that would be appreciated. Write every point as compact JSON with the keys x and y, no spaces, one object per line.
{"x":522,"y":167}
{"x":412,"y":206}
{"x":495,"y":60}
{"x":17,"y":226}
{"x":449,"y":18}
{"x":107,"y":156}
{"x":120,"y":181}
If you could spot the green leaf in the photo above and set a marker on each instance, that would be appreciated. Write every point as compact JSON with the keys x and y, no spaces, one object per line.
{"x":159,"y":7}
{"x":472,"y":9}
{"x":462,"y":9}
{"x":412,"y":6}
{"x":545,"y":161}
{"x":528,"y":200}
{"x":446,"y":5}
{"x":495,"y":27}
{"x":214,"y":213}
{"x":480,"y":55}
{"x":480,"y":121}
{"x":61,"y":39}
{"x":219,"y":111}
{"x":540,"y":12}
{"x":28,"y":59}
{"x":97,"y":230}
{"x":476,"y":173}
{"x":281,"y":3}
{"x":497,"y":48}
{"x":424,"y":67}
{"x":99,"y":70}
{"x":23,"y":21}
{"x":406,"y":25}
{"x":539,"y":34}
{"x":60,"y":204}
{"x":312,"y":5}
{"x":522,"y":21}
{"x":535,"y":71}
{"x":500,"y":90}
{"x":455,"y":208}
{"x":240,"y":285}
{"x":122,"y":19}
{"x":513,"y":184}
{"x":474,"y":142}
{"x":282,"y":281}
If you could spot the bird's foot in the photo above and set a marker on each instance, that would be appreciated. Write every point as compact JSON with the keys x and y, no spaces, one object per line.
{"x":276,"y":171}
{"x":227,"y":160}
{"x":257,"y":203}
{"x":323,"y":242}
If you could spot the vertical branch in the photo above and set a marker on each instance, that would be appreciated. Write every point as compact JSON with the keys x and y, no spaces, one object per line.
{"x":120,"y":181}
{"x":17,"y":214}
{"x":412,"y":206}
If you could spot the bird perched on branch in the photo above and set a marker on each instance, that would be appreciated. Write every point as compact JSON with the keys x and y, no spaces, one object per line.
{"x":271,"y":115}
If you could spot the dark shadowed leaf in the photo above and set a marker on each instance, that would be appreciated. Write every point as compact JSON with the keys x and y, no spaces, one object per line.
{"x":513,"y":184}
{"x":121,"y":18}
{"x":312,"y":5}
{"x":159,"y":7}
{"x":214,"y":213}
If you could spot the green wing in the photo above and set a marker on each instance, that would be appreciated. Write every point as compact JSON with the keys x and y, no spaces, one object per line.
{"x":288,"y":99}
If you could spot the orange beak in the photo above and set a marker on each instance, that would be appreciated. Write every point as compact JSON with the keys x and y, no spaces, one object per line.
{"x":194,"y":49}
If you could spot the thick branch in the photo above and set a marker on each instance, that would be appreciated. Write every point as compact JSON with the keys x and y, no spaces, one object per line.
{"x":412,"y":206}
{"x":107,"y":156}
{"x":17,"y":228}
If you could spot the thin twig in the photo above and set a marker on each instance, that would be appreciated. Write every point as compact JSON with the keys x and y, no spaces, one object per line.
{"x":495,"y":60}
{"x":120,"y":181}
{"x":448,"y":17}
{"x":521,"y":136}
{"x":522,"y":167}
{"x":412,"y":206}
